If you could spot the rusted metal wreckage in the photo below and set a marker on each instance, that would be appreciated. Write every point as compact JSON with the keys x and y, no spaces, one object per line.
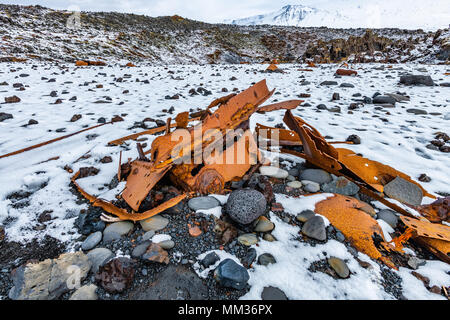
{"x":352,"y":217}
{"x":348,"y":214}
{"x":233,"y":112}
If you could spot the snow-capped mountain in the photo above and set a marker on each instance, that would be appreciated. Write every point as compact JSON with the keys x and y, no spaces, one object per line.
{"x":403,"y":14}
{"x":290,"y":15}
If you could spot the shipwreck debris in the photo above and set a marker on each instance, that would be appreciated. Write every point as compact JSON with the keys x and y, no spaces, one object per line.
{"x":346,"y":72}
{"x":369,"y":175}
{"x":204,"y":177}
{"x":434,"y":237}
{"x":83,"y":63}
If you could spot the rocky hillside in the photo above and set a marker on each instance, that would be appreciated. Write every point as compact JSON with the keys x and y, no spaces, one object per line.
{"x":34,"y":32}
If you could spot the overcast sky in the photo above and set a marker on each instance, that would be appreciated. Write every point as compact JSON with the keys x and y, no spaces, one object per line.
{"x":219,"y":10}
{"x":204,"y":10}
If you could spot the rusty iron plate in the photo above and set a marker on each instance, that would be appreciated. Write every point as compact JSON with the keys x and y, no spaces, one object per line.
{"x":285,"y":137}
{"x":358,"y":227}
{"x":287,"y":105}
{"x":142,"y":178}
{"x":437,"y":211}
{"x":346,"y":72}
{"x":427,"y":229}
{"x":122,"y":214}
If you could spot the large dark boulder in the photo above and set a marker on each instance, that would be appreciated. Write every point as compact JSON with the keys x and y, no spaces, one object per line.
{"x":230,"y":274}
{"x":414,"y":80}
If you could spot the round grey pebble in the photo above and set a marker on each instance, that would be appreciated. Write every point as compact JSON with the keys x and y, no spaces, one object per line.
{"x":415,"y":262}
{"x":388,"y":216}
{"x":315,"y":228}
{"x":203,"y":203}
{"x":310,"y":186}
{"x":210,"y":259}
{"x":230,"y":274}
{"x":340,"y":237}
{"x":91,"y":241}
{"x":110,"y":236}
{"x":140,"y":249}
{"x":148,"y":235}
{"x":273,"y":293}
{"x":404,"y":191}
{"x":121,"y":227}
{"x":266,"y":259}
{"x":98,"y":257}
{"x":339,"y":266}
{"x":316,"y":175}
{"x":264,"y":225}
{"x":305,"y":215}
{"x":167,"y":244}
{"x":341,"y":186}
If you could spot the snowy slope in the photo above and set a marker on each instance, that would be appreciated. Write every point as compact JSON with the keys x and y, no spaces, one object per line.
{"x":405,"y":14}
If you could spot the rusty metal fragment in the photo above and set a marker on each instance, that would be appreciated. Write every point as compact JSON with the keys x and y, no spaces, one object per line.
{"x":346,"y":72}
{"x":437,"y":211}
{"x":434,"y":237}
{"x":439,"y":248}
{"x":182,"y":120}
{"x":272,"y":67}
{"x":207,"y":176}
{"x":287,"y":105}
{"x":122,"y":214}
{"x":81,"y":63}
{"x":233,"y":110}
{"x":358,"y":227}
{"x":146,"y":132}
{"x":220,"y":101}
{"x":141,"y":180}
{"x":426,"y":229}
{"x":284,"y":137}
{"x":374,"y":173}
{"x":369,"y":175}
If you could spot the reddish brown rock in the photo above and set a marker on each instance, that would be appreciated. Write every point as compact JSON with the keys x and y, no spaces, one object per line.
{"x":156,"y":254}
{"x":116,"y":275}
{"x":13,"y":99}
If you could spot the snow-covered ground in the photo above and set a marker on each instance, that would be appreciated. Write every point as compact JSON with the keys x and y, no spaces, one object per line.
{"x":392,"y":136}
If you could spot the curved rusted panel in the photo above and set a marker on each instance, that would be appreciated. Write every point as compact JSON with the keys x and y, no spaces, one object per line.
{"x":287,"y":105}
{"x":357,"y":226}
{"x":122,"y":214}
{"x":285,"y":137}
